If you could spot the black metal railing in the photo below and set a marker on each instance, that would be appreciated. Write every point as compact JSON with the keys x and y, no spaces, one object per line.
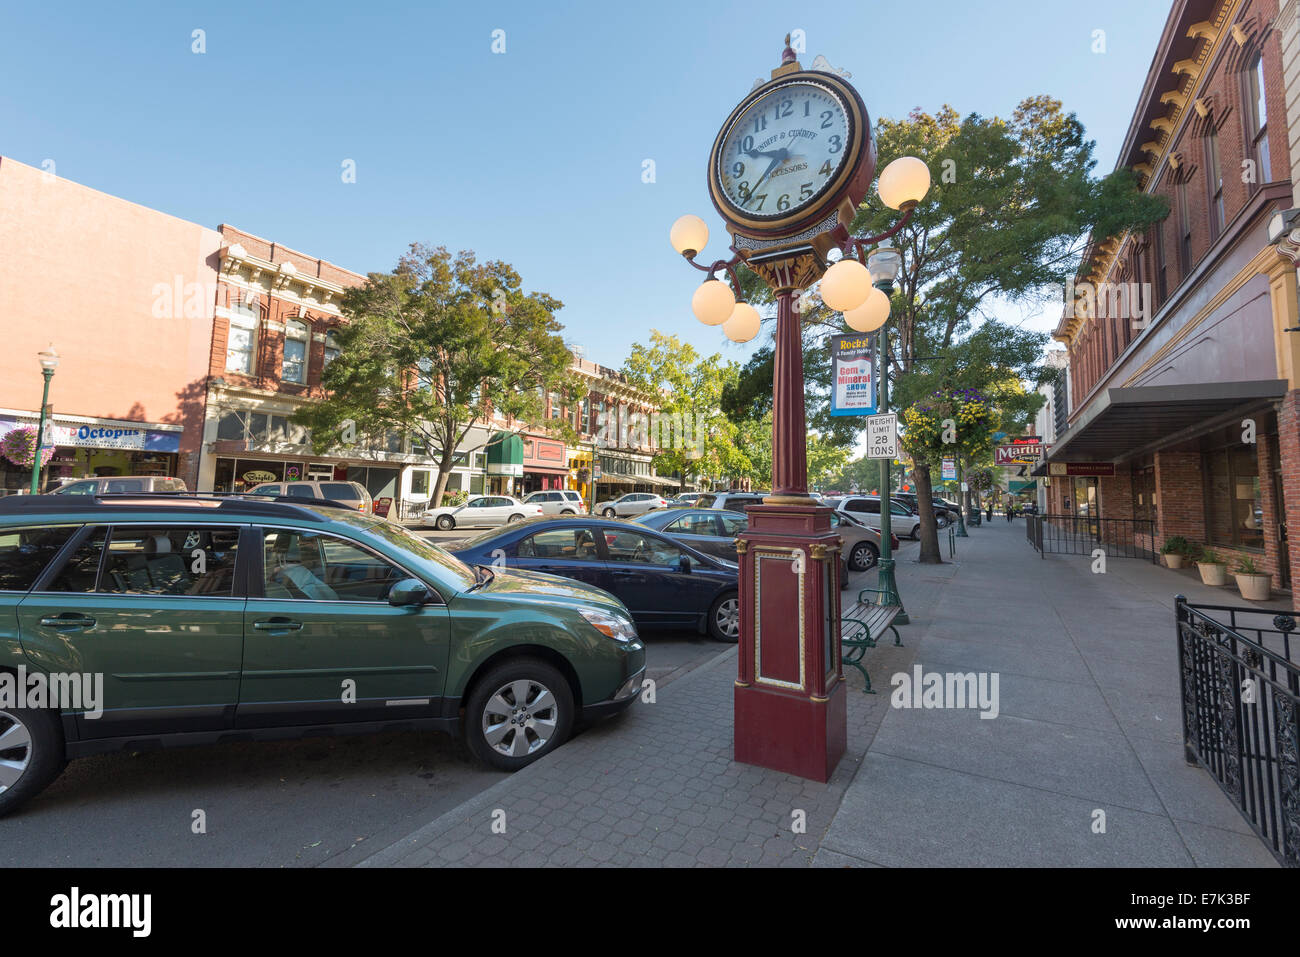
{"x":1241,"y":705}
{"x":1084,"y":534}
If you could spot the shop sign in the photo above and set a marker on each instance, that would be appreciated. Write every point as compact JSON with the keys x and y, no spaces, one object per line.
{"x":949,"y":472}
{"x":258,"y":476}
{"x":1103,"y":469}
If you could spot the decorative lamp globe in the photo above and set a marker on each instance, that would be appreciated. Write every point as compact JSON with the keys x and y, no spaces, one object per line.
{"x":871,"y":315}
{"x":743,"y":323}
{"x":689,"y":235}
{"x":713,"y":302}
{"x":904,"y":183}
{"x":845,"y":285}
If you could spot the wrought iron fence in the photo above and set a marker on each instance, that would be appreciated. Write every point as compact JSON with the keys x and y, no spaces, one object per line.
{"x":1084,"y":534}
{"x":1241,"y":702}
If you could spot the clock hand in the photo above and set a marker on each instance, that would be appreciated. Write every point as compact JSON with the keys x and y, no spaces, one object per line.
{"x":780,"y":157}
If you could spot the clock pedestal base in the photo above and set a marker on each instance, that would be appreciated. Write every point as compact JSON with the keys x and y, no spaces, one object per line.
{"x":790,"y":695}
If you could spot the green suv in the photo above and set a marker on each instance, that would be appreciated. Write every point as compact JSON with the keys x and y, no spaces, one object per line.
{"x":144,"y":621}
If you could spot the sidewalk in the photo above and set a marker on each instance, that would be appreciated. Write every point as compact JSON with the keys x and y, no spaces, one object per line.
{"x":1089,"y":721}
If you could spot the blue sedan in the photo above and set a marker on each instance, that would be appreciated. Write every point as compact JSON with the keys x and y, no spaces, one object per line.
{"x":663,"y":583}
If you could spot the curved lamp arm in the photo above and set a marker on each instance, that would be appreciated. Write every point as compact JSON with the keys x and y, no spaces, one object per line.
{"x":859,"y":246}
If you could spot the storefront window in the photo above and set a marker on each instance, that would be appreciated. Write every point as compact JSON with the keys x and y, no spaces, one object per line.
{"x":295,"y":352}
{"x":419,"y":482}
{"x":1234,"y":508}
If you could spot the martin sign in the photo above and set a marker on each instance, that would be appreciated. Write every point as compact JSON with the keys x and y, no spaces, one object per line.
{"x":1025,"y":450}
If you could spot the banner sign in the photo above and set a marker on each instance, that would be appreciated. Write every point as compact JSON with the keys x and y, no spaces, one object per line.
{"x":949,"y":472}
{"x":882,"y":436}
{"x":1105,"y":469}
{"x":853,"y":382}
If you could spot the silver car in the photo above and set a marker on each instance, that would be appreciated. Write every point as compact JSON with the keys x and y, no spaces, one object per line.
{"x":633,"y":503}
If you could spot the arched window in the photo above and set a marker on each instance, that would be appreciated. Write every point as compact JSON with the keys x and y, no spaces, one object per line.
{"x":296,"y":336}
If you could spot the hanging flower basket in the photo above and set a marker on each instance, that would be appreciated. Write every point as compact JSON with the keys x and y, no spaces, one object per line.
{"x":19,"y":446}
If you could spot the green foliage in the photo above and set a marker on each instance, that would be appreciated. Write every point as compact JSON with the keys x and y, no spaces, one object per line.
{"x":1207,"y":556}
{"x":432,"y":348}
{"x":683,"y":381}
{"x":1178,"y":545}
{"x":1248,"y":566}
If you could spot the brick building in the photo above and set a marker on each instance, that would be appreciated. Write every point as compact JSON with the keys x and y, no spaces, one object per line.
{"x":272,"y":337}
{"x":1182,"y":372}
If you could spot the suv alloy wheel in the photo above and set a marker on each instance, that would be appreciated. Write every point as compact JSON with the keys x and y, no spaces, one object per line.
{"x":31,"y":754}
{"x":517,"y":712}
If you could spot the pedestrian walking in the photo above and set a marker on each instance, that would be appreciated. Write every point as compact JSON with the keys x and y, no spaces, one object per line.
{"x":1011,"y":511}
{"x":988,"y":512}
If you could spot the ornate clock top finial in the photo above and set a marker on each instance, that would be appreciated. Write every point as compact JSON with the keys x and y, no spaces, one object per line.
{"x":787,"y":55}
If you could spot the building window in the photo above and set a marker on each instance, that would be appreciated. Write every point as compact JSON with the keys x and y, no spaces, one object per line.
{"x":1234,"y":508}
{"x":1144,"y":489}
{"x":242,"y":339}
{"x":1162,"y":287}
{"x":424,"y":374}
{"x":294,"y":368}
{"x":1214,"y":175}
{"x":331,"y":348}
{"x":420,"y":482}
{"x":1184,"y":231}
{"x":555,"y":406}
{"x":1257,"y":120}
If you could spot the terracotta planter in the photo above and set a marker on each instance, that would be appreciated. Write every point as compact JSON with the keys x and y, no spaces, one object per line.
{"x":1254,"y":587}
{"x":1215,"y":574}
{"x":1173,"y":560}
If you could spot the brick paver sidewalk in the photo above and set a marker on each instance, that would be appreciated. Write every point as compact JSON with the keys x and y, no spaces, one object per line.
{"x":1088,"y":722}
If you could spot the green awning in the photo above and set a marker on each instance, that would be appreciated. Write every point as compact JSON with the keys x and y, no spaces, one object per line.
{"x":1017,"y":487}
{"x":505,"y":454}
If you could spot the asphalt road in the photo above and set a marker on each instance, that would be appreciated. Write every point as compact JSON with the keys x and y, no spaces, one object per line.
{"x":323,"y":802}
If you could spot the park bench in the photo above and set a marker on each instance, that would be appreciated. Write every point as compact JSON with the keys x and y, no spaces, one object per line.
{"x":861,"y":627}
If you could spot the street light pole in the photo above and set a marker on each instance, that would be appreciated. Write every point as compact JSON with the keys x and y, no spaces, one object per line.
{"x":885,"y":580}
{"x":49,"y":362}
{"x":962,"y":499}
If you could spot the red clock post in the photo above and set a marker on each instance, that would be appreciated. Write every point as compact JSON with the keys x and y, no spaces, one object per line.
{"x":786,"y":173}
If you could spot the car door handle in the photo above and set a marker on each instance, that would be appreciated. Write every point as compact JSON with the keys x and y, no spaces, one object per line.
{"x":278,"y":624}
{"x":69,"y":620}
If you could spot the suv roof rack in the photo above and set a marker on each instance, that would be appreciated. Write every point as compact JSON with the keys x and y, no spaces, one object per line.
{"x":283,"y":506}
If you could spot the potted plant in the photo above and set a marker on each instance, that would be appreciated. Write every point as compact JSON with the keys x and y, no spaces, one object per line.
{"x":1175,"y":549}
{"x":1253,"y":583}
{"x":1214,"y":571}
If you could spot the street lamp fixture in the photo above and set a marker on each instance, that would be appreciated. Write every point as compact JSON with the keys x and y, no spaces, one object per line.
{"x":49,"y":362}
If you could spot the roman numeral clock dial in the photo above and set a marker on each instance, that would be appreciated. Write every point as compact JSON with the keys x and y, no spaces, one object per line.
{"x":784,"y":152}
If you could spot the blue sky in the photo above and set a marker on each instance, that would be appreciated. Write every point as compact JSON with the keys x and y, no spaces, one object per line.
{"x":535,"y":155}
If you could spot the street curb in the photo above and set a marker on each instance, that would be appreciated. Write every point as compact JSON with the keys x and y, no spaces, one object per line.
{"x":393,"y":853}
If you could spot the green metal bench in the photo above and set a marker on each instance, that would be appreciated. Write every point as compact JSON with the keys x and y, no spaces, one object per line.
{"x":861,"y":627}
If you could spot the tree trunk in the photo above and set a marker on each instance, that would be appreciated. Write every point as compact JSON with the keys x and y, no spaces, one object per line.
{"x":444,"y":473}
{"x":930,"y":554}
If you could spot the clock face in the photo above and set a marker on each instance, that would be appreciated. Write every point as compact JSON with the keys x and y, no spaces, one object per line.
{"x":783,"y":153}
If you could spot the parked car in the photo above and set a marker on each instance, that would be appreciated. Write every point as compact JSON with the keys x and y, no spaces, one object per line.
{"x":945,"y":513}
{"x":629,"y":505}
{"x":714,"y":532}
{"x":558,"y":502}
{"x":663,"y":583}
{"x":731,"y":500}
{"x":866,"y":508}
{"x":253,"y":641}
{"x":352,"y":494}
{"x":120,"y":484}
{"x":688,"y":498}
{"x":480,"y":511}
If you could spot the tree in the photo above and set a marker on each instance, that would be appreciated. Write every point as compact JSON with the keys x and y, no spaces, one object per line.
{"x":434,"y":349}
{"x":689,"y":390}
{"x":1005,"y":219}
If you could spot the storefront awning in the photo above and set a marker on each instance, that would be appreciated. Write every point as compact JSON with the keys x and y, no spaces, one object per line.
{"x":1126,"y":422}
{"x":505,"y":454}
{"x":1017,"y":487}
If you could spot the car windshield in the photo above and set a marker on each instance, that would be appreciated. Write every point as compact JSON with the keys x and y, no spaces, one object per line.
{"x":424,"y":554}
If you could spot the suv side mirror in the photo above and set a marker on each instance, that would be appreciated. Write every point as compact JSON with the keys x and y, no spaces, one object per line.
{"x":409,"y":591}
